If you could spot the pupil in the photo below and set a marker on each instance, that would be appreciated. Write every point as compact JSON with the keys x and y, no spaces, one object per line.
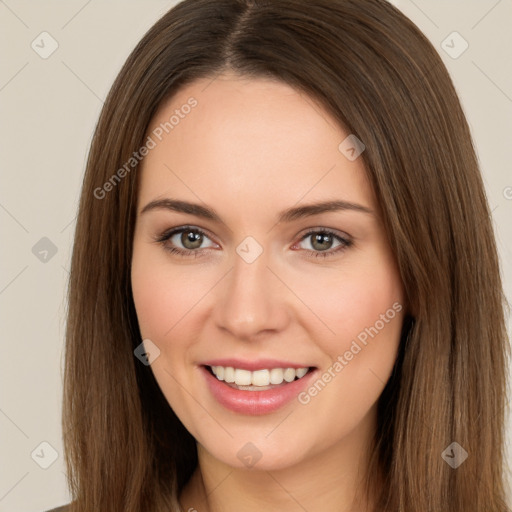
{"x":191,"y":239}
{"x":322,"y":239}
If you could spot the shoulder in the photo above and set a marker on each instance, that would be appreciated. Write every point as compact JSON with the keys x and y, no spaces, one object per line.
{"x":64,"y":508}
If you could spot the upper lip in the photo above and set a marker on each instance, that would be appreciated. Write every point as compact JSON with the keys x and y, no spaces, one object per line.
{"x":258,"y":364}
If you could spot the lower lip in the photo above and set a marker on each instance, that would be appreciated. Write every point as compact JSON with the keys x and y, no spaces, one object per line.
{"x":255,"y":402}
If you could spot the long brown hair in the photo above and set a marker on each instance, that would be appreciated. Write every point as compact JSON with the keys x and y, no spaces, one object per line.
{"x":379,"y":76}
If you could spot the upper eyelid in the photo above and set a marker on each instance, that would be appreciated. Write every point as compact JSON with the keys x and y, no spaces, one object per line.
{"x":329,"y":231}
{"x":168,"y":233}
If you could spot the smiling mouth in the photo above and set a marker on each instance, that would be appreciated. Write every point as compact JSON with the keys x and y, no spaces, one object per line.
{"x":258,"y":380}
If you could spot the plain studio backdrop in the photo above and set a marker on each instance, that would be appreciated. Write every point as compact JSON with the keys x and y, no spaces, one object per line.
{"x":51,"y":94}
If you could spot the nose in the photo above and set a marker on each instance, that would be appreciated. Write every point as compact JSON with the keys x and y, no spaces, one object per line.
{"x":251,"y":300}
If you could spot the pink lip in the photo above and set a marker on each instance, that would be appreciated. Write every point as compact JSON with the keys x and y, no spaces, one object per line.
{"x":260,"y":364}
{"x":255,"y":402}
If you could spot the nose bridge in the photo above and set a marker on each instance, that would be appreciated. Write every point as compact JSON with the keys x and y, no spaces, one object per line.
{"x":251,"y":299}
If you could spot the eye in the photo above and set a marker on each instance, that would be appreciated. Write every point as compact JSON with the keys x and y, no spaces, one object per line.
{"x":320,"y":243}
{"x":189,"y":241}
{"x":185,"y":241}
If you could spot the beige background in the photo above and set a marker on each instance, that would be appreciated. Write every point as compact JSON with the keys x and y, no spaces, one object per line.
{"x":48,"y":110}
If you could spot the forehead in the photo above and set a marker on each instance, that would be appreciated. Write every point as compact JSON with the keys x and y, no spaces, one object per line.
{"x":256,"y":142}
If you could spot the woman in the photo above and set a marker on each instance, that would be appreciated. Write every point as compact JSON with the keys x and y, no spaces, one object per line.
{"x":284,"y":293}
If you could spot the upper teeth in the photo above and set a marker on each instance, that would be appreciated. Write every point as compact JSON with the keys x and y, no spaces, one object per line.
{"x":258,"y":377}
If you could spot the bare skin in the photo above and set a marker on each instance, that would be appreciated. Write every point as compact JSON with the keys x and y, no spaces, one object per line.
{"x":250,"y":149}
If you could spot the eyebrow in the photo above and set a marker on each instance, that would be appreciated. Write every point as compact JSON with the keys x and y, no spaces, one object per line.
{"x":288,"y":215}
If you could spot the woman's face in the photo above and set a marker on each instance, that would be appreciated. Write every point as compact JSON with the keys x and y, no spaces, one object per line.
{"x":266,"y":275}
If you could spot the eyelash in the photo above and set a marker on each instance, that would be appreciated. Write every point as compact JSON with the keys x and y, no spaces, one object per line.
{"x":185,"y":253}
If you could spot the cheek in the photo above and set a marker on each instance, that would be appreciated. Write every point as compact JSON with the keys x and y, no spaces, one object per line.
{"x":348,"y":301}
{"x":163,"y":294}
{"x":363,"y":310}
{"x":360,"y":310}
